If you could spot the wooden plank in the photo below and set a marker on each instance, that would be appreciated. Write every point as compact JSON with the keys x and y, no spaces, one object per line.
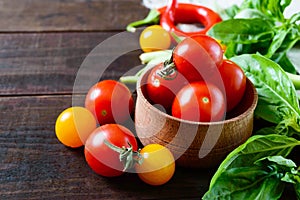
{"x":34,"y":164}
{"x":48,"y":63}
{"x":68,"y":15}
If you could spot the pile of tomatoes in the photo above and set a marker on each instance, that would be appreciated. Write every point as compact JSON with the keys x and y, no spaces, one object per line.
{"x":110,"y":149}
{"x":197,"y":83}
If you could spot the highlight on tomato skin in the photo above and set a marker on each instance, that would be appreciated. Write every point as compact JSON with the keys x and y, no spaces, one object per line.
{"x":74,"y":125}
{"x":110,"y":101}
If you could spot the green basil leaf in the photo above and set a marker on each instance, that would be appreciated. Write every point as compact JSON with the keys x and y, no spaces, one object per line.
{"x":291,"y":177}
{"x":279,"y":160}
{"x":283,"y":60}
{"x":277,"y":41}
{"x":284,"y":168}
{"x":277,"y":97}
{"x":297,"y":189}
{"x":256,"y":147}
{"x":272,"y":8}
{"x":244,"y":31}
{"x":250,"y":13}
{"x":234,"y":49}
{"x":294,"y":18}
{"x":291,"y":38}
{"x":246,"y":183}
{"x":229,"y":12}
{"x":266,"y":130}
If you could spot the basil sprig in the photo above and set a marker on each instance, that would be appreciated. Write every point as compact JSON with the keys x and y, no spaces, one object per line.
{"x":245,"y":174}
{"x":259,"y":26}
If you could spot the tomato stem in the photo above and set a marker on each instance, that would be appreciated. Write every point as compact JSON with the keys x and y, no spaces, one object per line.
{"x":177,"y":38}
{"x":153,"y":17}
{"x":168,"y":70}
{"x":126,"y":155}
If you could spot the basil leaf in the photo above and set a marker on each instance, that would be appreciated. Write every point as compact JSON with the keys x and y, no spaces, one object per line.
{"x":238,"y":49}
{"x":285,"y":168}
{"x":292,"y":37}
{"x":279,"y":160}
{"x":277,"y":98}
{"x":277,"y":41}
{"x":264,"y":179}
{"x":294,"y":18}
{"x":229,"y":12}
{"x":272,"y":8}
{"x":246,"y":183}
{"x":244,"y":31}
{"x":256,"y":147}
{"x":283,"y":60}
{"x":297,"y":189}
{"x":250,"y":13}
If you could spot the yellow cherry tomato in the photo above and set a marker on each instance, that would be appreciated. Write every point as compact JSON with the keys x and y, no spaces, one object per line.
{"x":154,"y":38}
{"x":158,"y":165}
{"x":74,"y":125}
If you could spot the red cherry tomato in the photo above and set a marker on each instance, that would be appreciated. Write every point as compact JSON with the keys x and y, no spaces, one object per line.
{"x":234,"y":82}
{"x":199,"y":101}
{"x":100,"y":157}
{"x":197,"y":57}
{"x":110,"y":101}
{"x":162,"y":89}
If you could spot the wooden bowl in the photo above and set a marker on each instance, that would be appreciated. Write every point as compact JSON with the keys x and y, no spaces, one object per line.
{"x":194,"y":144}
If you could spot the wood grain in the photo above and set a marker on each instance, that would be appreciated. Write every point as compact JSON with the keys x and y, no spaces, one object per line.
{"x":51,"y":51}
{"x":34,"y":164}
{"x":49,"y":62}
{"x":68,"y":15}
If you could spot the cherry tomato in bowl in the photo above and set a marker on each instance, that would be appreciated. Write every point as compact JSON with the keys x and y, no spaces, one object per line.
{"x":110,"y":101}
{"x":158,"y":165}
{"x":103,"y":159}
{"x":162,"y":85}
{"x":74,"y":125}
{"x":234,"y":82}
{"x":198,"y":57}
{"x":199,"y":101}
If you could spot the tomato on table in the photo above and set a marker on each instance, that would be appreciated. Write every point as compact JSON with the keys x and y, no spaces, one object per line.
{"x":74,"y":125}
{"x":162,"y":88}
{"x":234,"y":82}
{"x":199,"y":101}
{"x":110,"y":101}
{"x":103,"y":159}
{"x":198,"y":57}
{"x":154,"y":38}
{"x":158,"y":165}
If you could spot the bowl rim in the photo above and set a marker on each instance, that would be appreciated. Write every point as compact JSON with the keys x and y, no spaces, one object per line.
{"x":225,"y":121}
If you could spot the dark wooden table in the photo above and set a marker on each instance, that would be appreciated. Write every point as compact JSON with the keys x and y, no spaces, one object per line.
{"x":43,"y":44}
